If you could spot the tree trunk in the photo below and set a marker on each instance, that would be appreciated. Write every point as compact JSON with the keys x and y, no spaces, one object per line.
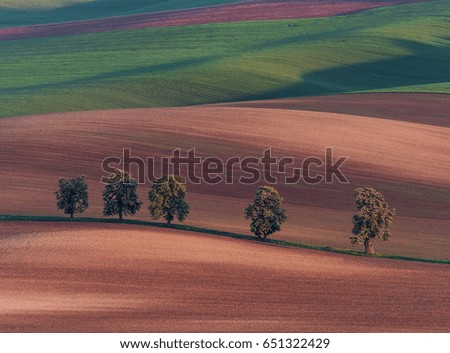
{"x":120,"y":215}
{"x":71,"y":215}
{"x":368,"y":244}
{"x":168,"y":221}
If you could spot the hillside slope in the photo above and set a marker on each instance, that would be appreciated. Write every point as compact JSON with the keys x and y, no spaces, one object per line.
{"x":429,"y":109}
{"x":401,"y":48}
{"x":122,"y":278}
{"x":408,"y":162}
{"x":240,"y":11}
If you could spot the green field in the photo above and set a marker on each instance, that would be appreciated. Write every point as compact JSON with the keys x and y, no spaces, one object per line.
{"x":25,"y":12}
{"x":402,"y":48}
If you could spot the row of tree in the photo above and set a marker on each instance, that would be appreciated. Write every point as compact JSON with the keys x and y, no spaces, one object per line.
{"x":166,"y":196}
{"x":372,"y":221}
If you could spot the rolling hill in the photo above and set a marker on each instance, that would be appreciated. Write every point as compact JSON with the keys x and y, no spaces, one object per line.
{"x":239,"y":11}
{"x":122,"y":278}
{"x":407,"y":161}
{"x":187,"y":65}
{"x":80,"y":80}
{"x":429,"y":109}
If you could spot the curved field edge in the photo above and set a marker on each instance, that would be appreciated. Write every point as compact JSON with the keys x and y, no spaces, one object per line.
{"x":188,"y":228}
{"x":394,"y":49}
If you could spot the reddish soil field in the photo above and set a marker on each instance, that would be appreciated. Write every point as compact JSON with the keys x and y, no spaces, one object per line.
{"x":246,"y":11}
{"x":122,"y":278}
{"x":408,"y":162}
{"x":431,"y":109}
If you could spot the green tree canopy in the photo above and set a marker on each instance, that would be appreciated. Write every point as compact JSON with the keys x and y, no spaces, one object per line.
{"x":373,"y":220}
{"x":120,"y":195}
{"x":72,"y":196}
{"x":167,"y":199}
{"x":265,"y":213}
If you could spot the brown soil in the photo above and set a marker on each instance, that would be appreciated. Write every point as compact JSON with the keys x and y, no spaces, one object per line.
{"x":121,"y":278}
{"x":408,"y":162}
{"x":430,"y":109}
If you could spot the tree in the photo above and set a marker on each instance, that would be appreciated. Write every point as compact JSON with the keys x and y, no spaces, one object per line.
{"x":72,"y":196}
{"x":373,"y":220}
{"x":120,"y":195}
{"x":167,"y":199}
{"x":265,"y":213}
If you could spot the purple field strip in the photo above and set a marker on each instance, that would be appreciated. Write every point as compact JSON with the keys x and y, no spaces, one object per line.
{"x":246,"y":11}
